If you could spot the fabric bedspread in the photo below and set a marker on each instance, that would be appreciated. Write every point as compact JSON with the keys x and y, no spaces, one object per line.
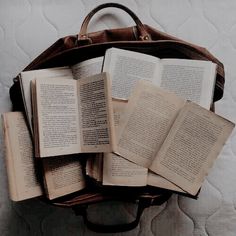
{"x":28,"y":27}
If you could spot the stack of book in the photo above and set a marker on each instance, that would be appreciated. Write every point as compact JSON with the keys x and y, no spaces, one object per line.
{"x":137,"y":120}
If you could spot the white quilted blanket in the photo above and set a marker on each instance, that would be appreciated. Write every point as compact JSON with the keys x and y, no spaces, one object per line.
{"x":28,"y":27}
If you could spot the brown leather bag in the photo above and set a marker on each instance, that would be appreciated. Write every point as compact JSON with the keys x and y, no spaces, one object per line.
{"x":76,"y":48}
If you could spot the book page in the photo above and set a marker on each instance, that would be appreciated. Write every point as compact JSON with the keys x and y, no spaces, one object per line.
{"x":87,"y":68}
{"x":119,"y":107}
{"x":126,"y":68}
{"x":116,"y":169}
{"x":21,"y":170}
{"x":194,"y":142}
{"x":27,"y":76}
{"x":96,"y":122}
{"x":149,"y":115}
{"x":58,"y":120}
{"x":121,"y":172}
{"x":193,"y":80}
{"x":63,"y":175}
{"x":156,"y":180}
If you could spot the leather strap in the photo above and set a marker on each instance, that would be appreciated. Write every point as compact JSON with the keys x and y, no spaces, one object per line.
{"x":144,"y":202}
{"x":100,"y":228}
{"x":143,"y":35}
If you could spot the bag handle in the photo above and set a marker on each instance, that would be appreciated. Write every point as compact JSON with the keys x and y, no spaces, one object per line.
{"x":144,"y":202}
{"x":143,"y":34}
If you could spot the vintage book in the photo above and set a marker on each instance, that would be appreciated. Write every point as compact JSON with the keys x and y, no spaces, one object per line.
{"x":191,"y":79}
{"x":23,"y":181}
{"x":77,"y":71}
{"x":118,"y":171}
{"x":111,"y":169}
{"x":62,"y":175}
{"x":176,"y":139}
{"x":72,"y":116}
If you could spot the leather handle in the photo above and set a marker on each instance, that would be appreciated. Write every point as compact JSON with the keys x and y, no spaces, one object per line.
{"x":143,"y":35}
{"x":144,"y":202}
{"x":100,"y":228}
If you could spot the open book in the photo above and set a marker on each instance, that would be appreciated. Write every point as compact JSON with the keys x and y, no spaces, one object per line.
{"x":175,"y":138}
{"x":77,"y":71}
{"x":191,"y":79}
{"x":118,"y":171}
{"x":61,"y":175}
{"x":72,"y":116}
{"x":23,"y":181}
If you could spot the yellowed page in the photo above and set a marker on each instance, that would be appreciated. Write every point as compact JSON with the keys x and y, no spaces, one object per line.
{"x":193,"y":80}
{"x":119,"y":106}
{"x":156,"y":180}
{"x":27,"y":76}
{"x":194,"y":142}
{"x":9,"y":160}
{"x":87,"y":68}
{"x":116,"y":169}
{"x":23,"y":182}
{"x":63,"y":175}
{"x":96,"y":122}
{"x":149,"y":115}
{"x":119,"y":171}
{"x":126,"y":68}
{"x":57,"y":108}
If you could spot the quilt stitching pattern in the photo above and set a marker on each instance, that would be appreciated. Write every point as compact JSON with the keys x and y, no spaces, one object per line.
{"x":28,"y":27}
